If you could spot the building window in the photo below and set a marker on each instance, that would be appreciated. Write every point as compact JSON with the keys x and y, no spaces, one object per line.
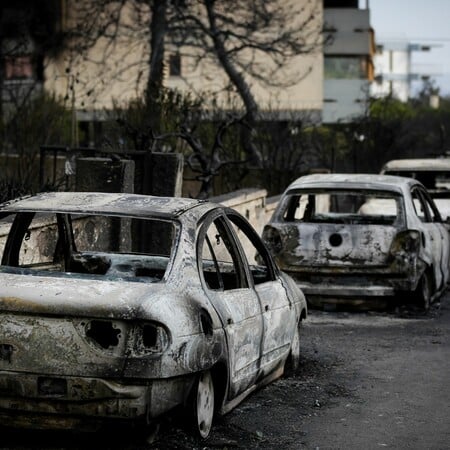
{"x":18,"y":67}
{"x":175,"y":65}
{"x":345,"y":67}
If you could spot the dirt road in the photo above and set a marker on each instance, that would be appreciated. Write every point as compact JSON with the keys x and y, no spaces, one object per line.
{"x":367,"y":380}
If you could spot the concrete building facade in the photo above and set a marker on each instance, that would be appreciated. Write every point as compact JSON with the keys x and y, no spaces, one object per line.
{"x":348,"y":60}
{"x":331,"y":82}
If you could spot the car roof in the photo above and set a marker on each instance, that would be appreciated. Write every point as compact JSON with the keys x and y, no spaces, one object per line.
{"x":106,"y":203}
{"x":352,"y":181}
{"x":418,"y":164}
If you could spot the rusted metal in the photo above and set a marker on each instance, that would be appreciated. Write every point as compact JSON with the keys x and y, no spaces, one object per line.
{"x":88,"y":334}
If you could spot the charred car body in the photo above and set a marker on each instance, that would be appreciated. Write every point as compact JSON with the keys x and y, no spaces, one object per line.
{"x":346,"y":237}
{"x":121,"y":306}
{"x":433,"y":173}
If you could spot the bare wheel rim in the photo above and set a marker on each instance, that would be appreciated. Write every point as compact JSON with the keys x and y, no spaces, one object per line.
{"x":205,"y":404}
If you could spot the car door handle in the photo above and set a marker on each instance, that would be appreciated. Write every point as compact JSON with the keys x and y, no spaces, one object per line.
{"x":266,"y":308}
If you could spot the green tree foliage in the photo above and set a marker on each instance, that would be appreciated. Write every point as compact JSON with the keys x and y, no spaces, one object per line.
{"x":406,"y":130}
{"x":391,"y":129}
{"x":390,"y":109}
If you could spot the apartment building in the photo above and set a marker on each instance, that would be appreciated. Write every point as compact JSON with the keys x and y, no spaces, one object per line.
{"x":394,"y":70}
{"x":329,"y":83}
{"x":298,"y":94}
{"x":348,"y":60}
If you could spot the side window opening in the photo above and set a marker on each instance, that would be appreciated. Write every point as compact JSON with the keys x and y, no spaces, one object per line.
{"x":420,"y":206}
{"x":35,"y":242}
{"x":433,"y":212}
{"x":258,"y":259}
{"x":211,"y":269}
{"x":222,"y":268}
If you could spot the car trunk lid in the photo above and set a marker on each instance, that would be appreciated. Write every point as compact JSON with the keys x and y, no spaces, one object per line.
{"x":67,"y":326}
{"x":337,"y":245}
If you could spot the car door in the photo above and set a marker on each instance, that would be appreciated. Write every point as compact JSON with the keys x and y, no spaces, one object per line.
{"x":442,"y":246}
{"x":226,"y":284}
{"x":278,"y":310}
{"x":433,"y":240}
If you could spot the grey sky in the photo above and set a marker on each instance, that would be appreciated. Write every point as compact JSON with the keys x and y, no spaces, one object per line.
{"x":417,"y":21}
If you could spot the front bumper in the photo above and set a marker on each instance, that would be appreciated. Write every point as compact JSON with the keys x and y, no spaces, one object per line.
{"x":38,"y":401}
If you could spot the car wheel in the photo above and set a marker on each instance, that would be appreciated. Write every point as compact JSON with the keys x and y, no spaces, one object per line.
{"x":293,"y":360}
{"x":202,"y":404}
{"x":423,"y":292}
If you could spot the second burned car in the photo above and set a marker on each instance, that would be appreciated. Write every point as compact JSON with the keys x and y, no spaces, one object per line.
{"x":346,"y":238}
{"x":433,"y":173}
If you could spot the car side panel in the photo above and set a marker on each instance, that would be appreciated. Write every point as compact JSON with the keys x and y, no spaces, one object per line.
{"x":279,"y":323}
{"x":240,"y":312}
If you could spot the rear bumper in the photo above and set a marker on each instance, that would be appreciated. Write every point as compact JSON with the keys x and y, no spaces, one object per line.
{"x":354,"y":285}
{"x":346,"y":290}
{"x":38,"y":401}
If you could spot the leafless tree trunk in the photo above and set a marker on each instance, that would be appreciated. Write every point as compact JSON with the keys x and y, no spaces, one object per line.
{"x":239,"y":82}
{"x":250,"y":40}
{"x":158,"y":30}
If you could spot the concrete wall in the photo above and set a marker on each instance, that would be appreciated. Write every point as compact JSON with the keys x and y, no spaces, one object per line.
{"x":255,"y":207}
{"x":104,"y":175}
{"x":252,"y":203}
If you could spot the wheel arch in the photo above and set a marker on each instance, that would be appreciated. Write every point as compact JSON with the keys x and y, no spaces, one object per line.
{"x":220,"y":378}
{"x":430,"y":273}
{"x":303,"y":315}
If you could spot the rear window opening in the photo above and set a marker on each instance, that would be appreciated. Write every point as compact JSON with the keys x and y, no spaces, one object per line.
{"x":110,"y":247}
{"x":343,"y":206}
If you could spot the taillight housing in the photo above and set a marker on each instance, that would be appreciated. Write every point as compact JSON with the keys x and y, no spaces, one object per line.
{"x":105,"y":334}
{"x":150,"y":338}
{"x":405,"y":243}
{"x":118,"y":338}
{"x":271,"y":236}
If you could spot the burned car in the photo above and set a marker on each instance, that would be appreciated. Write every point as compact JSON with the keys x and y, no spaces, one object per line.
{"x":122,"y":307}
{"x":349,"y":238}
{"x":433,"y":173}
